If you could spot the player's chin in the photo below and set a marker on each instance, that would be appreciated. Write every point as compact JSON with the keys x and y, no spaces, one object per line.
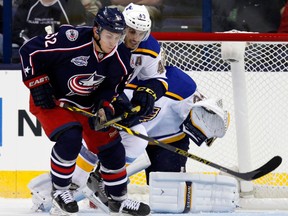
{"x":132,"y":45}
{"x":107,"y":49}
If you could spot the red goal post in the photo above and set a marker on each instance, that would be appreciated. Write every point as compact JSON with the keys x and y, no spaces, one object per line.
{"x":220,"y":36}
{"x":249,"y":71}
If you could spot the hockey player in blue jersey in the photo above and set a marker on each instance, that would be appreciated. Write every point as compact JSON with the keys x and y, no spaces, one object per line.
{"x":145,"y":59}
{"x":80,"y":66}
{"x":147,"y":64}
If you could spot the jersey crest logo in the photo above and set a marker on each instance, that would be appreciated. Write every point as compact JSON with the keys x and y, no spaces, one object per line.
{"x":80,"y":60}
{"x":72,"y":34}
{"x":84,"y":84}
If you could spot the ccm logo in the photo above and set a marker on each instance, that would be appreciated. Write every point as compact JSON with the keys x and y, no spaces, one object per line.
{"x":38,"y":81}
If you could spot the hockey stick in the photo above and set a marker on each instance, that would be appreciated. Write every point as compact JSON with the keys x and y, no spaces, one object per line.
{"x":88,"y":114}
{"x":247,"y":176}
{"x":271,"y":165}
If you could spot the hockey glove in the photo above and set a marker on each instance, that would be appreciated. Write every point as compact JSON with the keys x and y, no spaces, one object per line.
{"x":41,"y":92}
{"x":105,"y":113}
{"x":123,"y":105}
{"x":145,"y":98}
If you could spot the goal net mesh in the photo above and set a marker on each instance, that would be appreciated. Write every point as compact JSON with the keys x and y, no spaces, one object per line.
{"x":266,"y":77}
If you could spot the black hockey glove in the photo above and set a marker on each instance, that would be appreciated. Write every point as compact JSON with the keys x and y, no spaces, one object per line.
{"x":105,"y":113}
{"x":43,"y":96}
{"x":123,"y":105}
{"x":145,"y":98}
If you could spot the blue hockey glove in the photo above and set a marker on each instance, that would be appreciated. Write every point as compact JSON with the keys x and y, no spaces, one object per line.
{"x":41,"y":92}
{"x":145,"y":98}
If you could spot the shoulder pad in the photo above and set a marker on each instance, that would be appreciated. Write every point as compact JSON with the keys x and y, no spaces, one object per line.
{"x":149,"y":47}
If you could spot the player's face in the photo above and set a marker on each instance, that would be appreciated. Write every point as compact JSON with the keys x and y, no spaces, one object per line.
{"x":109,"y":40}
{"x":133,"y":37}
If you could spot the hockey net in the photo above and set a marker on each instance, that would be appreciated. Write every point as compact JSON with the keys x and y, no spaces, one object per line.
{"x":259,"y":118}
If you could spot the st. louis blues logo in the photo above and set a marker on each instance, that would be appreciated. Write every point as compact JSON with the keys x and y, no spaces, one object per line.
{"x":152,"y":115}
{"x":84,"y":84}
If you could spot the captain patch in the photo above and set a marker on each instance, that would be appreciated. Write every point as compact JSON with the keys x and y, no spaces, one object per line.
{"x":161,"y":68}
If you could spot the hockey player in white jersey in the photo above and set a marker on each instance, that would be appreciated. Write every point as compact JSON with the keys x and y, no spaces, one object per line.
{"x":146,"y":59}
{"x":181,"y":115}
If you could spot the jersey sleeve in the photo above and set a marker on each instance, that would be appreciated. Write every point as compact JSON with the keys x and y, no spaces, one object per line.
{"x":39,"y":53}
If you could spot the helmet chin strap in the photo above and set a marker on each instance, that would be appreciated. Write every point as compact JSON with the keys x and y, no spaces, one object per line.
{"x":98,"y":40}
{"x":98,"y":43}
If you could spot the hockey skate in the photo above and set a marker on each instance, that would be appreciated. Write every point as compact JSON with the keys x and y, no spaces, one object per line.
{"x":128,"y":207}
{"x":95,"y":191}
{"x":63,"y":203}
{"x":96,"y":184}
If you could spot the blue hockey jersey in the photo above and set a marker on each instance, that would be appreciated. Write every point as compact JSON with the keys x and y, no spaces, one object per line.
{"x":77,"y":72}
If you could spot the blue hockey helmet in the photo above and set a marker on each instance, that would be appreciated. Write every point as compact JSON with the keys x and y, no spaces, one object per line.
{"x":110,"y":19}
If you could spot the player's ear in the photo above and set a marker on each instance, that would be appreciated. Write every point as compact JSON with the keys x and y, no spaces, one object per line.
{"x":95,"y":33}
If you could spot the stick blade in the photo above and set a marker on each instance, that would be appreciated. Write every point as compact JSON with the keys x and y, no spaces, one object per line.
{"x":268,"y":167}
{"x":261,"y":171}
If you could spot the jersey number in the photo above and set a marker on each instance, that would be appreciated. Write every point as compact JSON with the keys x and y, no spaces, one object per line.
{"x":50,"y":39}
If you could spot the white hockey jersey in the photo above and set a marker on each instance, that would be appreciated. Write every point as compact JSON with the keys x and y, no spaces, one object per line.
{"x":172,"y":109}
{"x":146,"y":61}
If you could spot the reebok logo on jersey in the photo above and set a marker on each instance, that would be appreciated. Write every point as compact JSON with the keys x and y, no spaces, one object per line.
{"x":80,"y":60}
{"x":112,"y":134}
{"x":72,"y":34}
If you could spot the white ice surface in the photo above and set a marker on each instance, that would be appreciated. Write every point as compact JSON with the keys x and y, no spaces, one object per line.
{"x":20,"y":207}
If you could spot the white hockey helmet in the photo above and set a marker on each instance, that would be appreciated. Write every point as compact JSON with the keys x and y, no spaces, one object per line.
{"x":207,"y":119}
{"x":138,"y":18}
